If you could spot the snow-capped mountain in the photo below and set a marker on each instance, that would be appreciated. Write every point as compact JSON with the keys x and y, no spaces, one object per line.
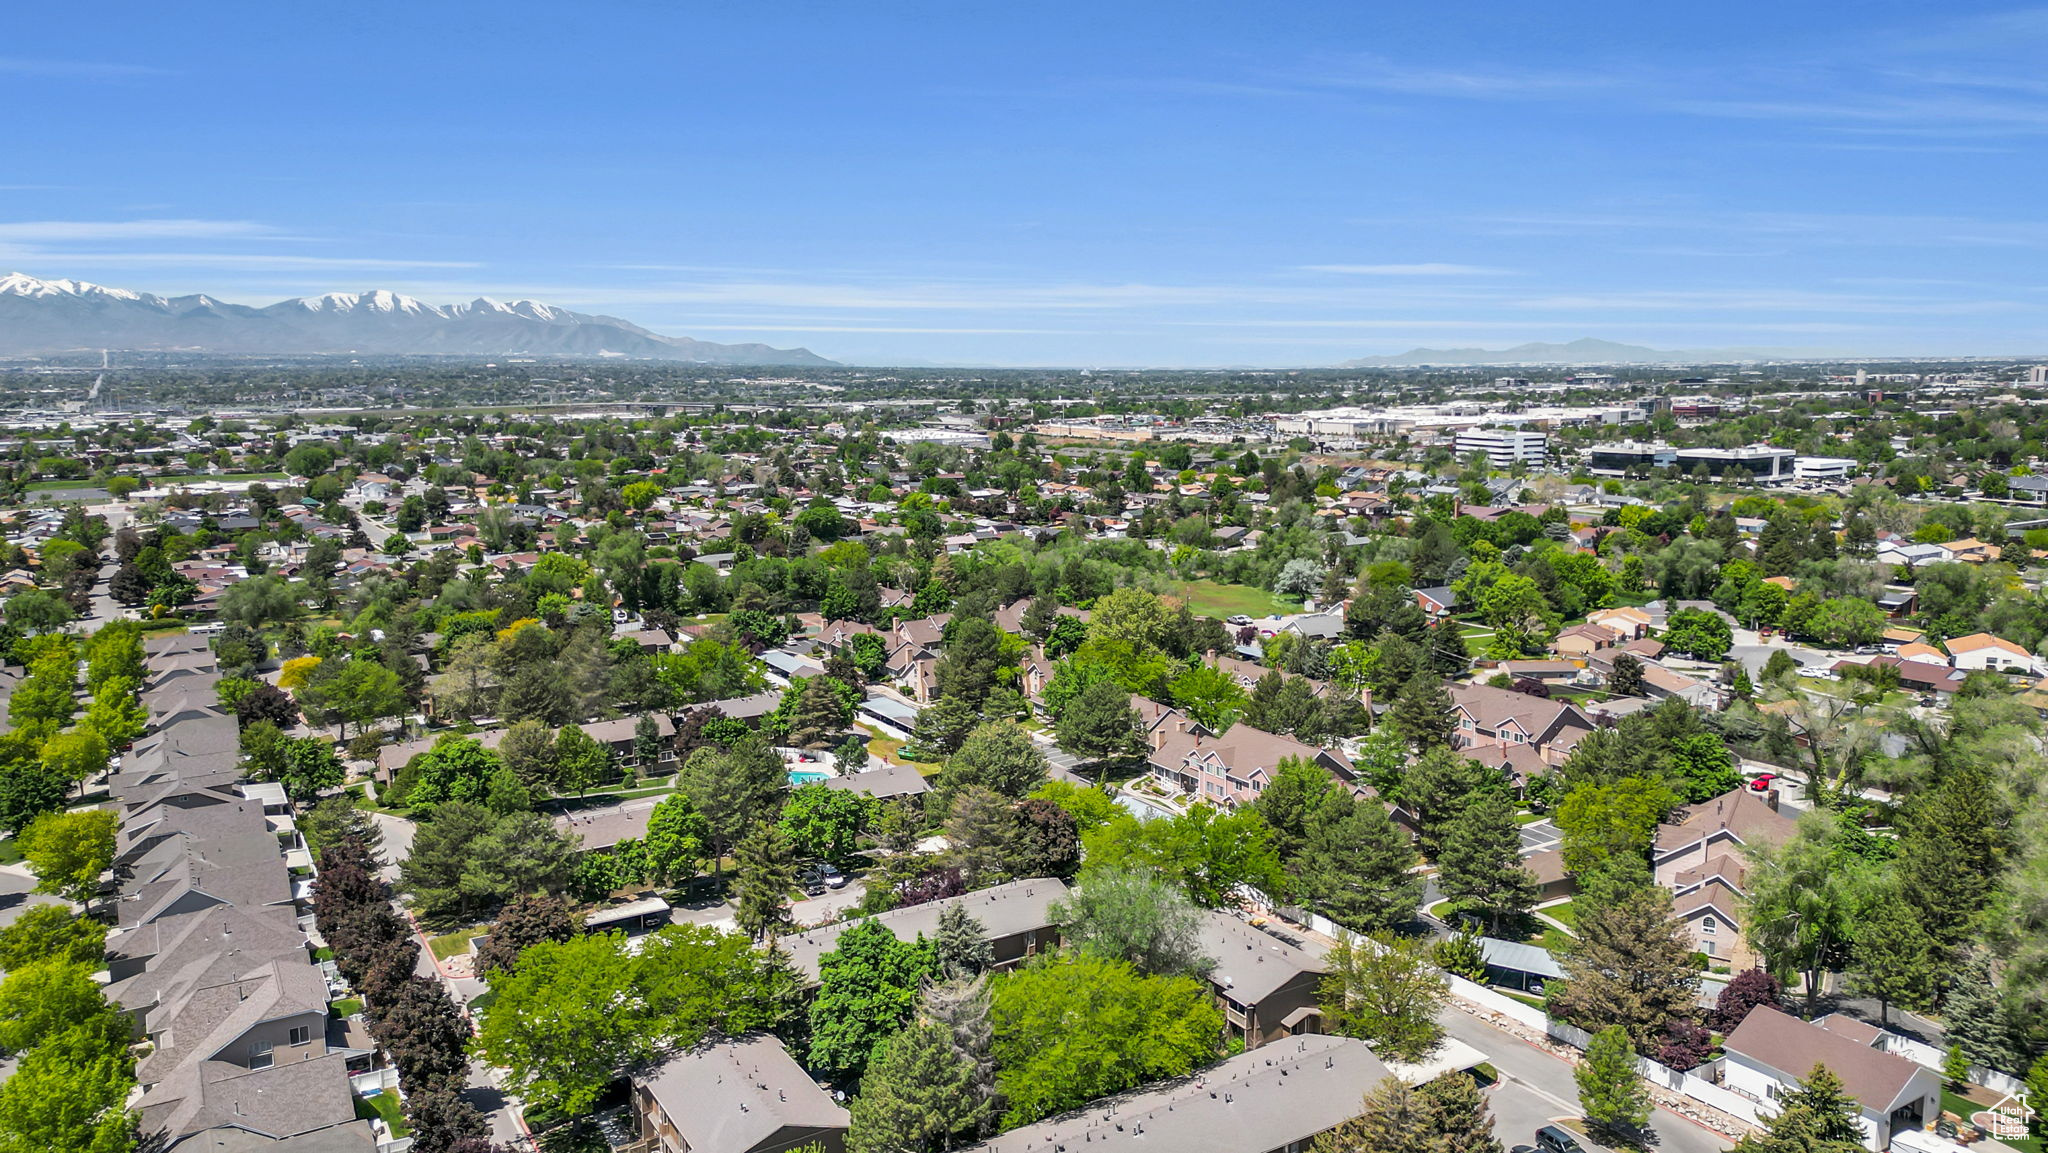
{"x":39,"y":316}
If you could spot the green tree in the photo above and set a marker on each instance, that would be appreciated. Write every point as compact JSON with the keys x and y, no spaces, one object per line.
{"x":819,"y":716}
{"x":1355,"y":867}
{"x":733,"y":789}
{"x":75,"y":756}
{"x":466,"y":859}
{"x":580,"y":760}
{"x":962,"y":944}
{"x":357,"y":691}
{"x":1703,"y":766}
{"x":1072,"y":1028}
{"x":1439,"y":786}
{"x":766,"y":863}
{"x":1101,"y":725}
{"x":1422,"y":713}
{"x":36,"y":610}
{"x":52,"y":933}
{"x":310,"y":767}
{"x":676,"y":838}
{"x":1701,"y":634}
{"x":1385,"y":991}
{"x":867,"y":989}
{"x":456,"y":768}
{"x":69,"y":851}
{"x":1803,"y":900}
{"x":259,"y":601}
{"x":48,"y":998}
{"x":919,"y":1096}
{"x":1289,"y":802}
{"x":1443,"y":1115}
{"x":1615,"y":1100}
{"x":1892,"y":957}
{"x":1207,"y":853}
{"x":941,"y":729}
{"x":1210,"y":695}
{"x":1133,"y":916}
{"x":1617,"y":818}
{"x":999,"y":756}
{"x":1630,"y":965}
{"x":67,"y":1093}
{"x":1480,"y":866}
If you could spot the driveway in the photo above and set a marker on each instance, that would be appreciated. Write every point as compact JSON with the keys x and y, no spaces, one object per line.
{"x":397,"y":833}
{"x":1540,"y":835}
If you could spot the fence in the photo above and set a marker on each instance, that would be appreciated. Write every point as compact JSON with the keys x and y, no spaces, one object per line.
{"x":374,"y":1081}
{"x":1921,"y":1053}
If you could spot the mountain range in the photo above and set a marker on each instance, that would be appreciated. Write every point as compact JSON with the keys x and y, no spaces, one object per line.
{"x":1584,"y":351}
{"x":41,"y":316}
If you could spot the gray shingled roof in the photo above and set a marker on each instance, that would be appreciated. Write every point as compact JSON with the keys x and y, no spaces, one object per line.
{"x":1003,"y":910}
{"x":1278,"y":1094}
{"x":732,"y":1096}
{"x":887,"y":781}
{"x":1250,"y":964}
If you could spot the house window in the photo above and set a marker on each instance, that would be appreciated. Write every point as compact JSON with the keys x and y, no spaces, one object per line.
{"x":302,"y":1034}
{"x":1707,"y":925}
{"x":259,"y":1055}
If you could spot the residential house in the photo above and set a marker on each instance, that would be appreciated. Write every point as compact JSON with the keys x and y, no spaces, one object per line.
{"x":1488,"y":717}
{"x":1016,"y":916}
{"x":1437,"y":601}
{"x":1770,"y":1052}
{"x":1234,"y":767}
{"x":1699,"y":857}
{"x":1274,"y":1100}
{"x":1265,"y":986}
{"x":1626,"y":622}
{"x":745,"y":1096}
{"x":1985,"y":651}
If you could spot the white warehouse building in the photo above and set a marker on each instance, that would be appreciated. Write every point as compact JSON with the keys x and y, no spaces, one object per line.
{"x":1503,"y":447}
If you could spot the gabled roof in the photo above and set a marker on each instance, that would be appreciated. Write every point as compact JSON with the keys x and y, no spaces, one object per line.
{"x":1741,"y":814}
{"x":1003,"y":911}
{"x":1978,"y":641}
{"x":1780,"y":1041}
{"x":1250,"y":965}
{"x":732,"y":1096}
{"x":1275,"y":1097}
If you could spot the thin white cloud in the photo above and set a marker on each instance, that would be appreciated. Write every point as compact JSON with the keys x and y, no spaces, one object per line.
{"x":223,"y":260}
{"x":86,"y":231}
{"x":1466,"y":82}
{"x":1430,"y":269}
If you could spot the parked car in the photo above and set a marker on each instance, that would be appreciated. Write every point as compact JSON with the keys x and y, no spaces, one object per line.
{"x":812,"y":880}
{"x":1239,"y":619}
{"x":1761,"y":783}
{"x":834,"y":879}
{"x":1551,"y":1139}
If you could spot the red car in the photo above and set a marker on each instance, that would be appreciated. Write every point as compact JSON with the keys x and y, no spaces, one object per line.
{"x":1761,"y":783}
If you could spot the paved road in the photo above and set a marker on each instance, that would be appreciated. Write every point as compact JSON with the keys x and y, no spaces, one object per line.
{"x":1537,"y":1088}
{"x":397,"y":833}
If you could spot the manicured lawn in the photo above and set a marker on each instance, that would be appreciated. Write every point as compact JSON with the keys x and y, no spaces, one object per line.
{"x":1565,"y":913}
{"x":346,"y":1007}
{"x":385,"y":1105}
{"x":1963,"y":1107}
{"x":228,"y":477}
{"x":60,"y":485}
{"x":453,"y":944}
{"x":888,"y":748}
{"x":1530,"y":818}
{"x":1223,"y":601}
{"x":8,"y":853}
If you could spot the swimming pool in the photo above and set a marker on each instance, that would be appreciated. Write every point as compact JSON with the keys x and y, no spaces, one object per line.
{"x":807,"y":776}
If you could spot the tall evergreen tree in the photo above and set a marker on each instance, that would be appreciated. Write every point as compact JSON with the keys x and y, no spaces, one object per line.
{"x":1630,"y":965}
{"x":1480,"y":864}
{"x":1615,"y":1100}
{"x":919,"y":1095}
{"x":1355,"y":866}
{"x":1952,"y":848}
{"x":1422,"y":712}
{"x":1438,"y":787}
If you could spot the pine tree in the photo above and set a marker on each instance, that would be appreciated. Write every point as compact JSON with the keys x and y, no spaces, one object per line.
{"x":918,"y":1095}
{"x":1480,"y":864}
{"x":1289,"y":801}
{"x":1423,"y":714}
{"x":767,"y":870}
{"x":1821,"y":1095}
{"x":1976,"y":1017}
{"x":1355,"y":866}
{"x":1893,"y":957}
{"x":962,"y":943}
{"x":1952,"y":849}
{"x":1388,"y":1121}
{"x":1439,"y":786}
{"x":1629,"y":966}
{"x":818,"y":716}
{"x":1614,"y":1098}
{"x":1456,"y":1115}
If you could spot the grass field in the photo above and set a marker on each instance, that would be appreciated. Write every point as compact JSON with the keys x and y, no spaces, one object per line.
{"x":453,"y":944}
{"x":384,"y":1105}
{"x":1222,"y":601}
{"x":60,"y":485}
{"x":226,"y":478}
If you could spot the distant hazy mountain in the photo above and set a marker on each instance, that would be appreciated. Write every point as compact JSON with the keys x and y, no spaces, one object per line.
{"x":1586,"y":351}
{"x":55,"y":315}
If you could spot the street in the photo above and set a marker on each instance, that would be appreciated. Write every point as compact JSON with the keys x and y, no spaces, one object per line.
{"x":1536,"y":1089}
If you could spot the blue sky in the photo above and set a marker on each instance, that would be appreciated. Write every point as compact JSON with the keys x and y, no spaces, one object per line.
{"x":1189,"y":183}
